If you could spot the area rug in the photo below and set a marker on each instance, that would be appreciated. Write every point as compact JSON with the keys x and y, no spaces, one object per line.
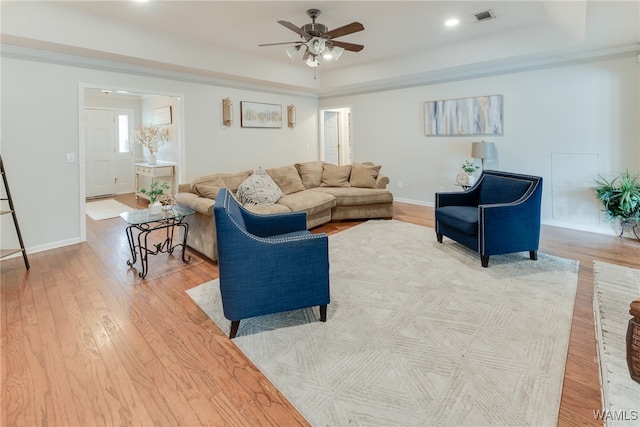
{"x":418,"y":333}
{"x":615,"y":287}
{"x":105,"y":209}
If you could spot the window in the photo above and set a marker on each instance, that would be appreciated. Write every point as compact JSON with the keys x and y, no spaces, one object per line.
{"x":123,"y":133}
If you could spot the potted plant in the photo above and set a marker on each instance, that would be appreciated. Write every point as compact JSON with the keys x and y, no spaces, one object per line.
{"x":620,"y":198}
{"x":155,"y":190}
{"x":151,"y":136}
{"x":468,"y":168}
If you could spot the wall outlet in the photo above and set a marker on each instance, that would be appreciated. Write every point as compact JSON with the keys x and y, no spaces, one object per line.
{"x":399,"y":184}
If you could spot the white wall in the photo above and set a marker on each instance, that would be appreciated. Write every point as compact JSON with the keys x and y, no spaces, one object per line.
{"x":588,"y":108}
{"x":40,"y":120}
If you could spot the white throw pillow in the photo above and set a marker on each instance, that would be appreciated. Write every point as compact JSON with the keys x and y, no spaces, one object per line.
{"x":259,"y":189}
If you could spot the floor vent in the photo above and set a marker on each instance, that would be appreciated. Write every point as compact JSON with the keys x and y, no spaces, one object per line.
{"x":483,"y":16}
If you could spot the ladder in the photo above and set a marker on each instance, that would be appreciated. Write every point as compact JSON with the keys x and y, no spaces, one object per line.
{"x":6,"y":252}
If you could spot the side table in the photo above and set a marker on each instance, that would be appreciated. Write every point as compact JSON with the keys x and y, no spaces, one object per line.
{"x":146,"y":222}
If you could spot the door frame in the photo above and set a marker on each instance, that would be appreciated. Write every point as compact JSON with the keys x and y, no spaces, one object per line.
{"x":82,"y":190}
{"x":345,"y":154}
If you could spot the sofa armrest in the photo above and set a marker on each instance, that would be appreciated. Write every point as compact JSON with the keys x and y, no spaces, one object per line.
{"x":195,"y":202}
{"x":382,"y":181}
{"x":184,"y":188}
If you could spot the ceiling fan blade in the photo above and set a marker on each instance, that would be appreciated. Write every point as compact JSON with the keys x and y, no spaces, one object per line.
{"x":348,"y":46}
{"x":276,"y":44}
{"x":354,"y":27}
{"x":295,"y":29}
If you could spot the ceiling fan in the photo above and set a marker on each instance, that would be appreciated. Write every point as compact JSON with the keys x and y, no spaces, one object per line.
{"x":317,"y":41}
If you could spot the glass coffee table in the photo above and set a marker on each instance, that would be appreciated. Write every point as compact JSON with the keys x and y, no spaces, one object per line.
{"x":145,"y":221}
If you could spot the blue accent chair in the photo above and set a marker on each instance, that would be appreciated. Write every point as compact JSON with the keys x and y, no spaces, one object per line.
{"x":500,"y":214}
{"x":268,"y":263}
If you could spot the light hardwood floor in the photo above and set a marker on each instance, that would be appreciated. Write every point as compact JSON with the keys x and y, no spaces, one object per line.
{"x":85,"y":342}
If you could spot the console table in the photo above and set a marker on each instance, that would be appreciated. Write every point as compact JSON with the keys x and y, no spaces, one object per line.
{"x":162,"y":171}
{"x":145,"y":222}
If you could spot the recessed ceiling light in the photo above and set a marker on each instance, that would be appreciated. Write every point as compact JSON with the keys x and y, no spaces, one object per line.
{"x":452,"y":22}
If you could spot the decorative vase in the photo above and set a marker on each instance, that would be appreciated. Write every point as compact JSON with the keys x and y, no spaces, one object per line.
{"x":155,"y":208}
{"x":152,"y":159}
{"x":471,"y":180}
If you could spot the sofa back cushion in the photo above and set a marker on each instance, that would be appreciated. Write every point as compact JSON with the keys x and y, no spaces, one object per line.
{"x":287,"y":178}
{"x":209,"y":185}
{"x":335,"y":176}
{"x":311,"y":173}
{"x":364,"y":175}
{"x":500,"y":189}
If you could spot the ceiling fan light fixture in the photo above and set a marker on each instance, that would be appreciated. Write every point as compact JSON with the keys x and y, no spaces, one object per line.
{"x":317,"y":45}
{"x":337,"y":52}
{"x":333,"y":53}
{"x":293,"y":52}
{"x":312,"y":61}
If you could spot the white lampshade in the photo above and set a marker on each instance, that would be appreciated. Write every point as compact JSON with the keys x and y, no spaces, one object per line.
{"x":333,"y":54}
{"x":312,"y":61}
{"x":293,"y":52}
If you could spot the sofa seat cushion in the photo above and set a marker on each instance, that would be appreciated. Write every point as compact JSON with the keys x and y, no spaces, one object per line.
{"x":354,"y":196}
{"x":463,"y":218}
{"x":309,"y":201}
{"x":267,"y":209}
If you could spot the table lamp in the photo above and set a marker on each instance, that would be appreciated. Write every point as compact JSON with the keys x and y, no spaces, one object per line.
{"x":483,"y":150}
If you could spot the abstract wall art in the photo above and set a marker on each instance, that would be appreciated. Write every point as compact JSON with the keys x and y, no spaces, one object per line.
{"x":258,"y":115}
{"x":481,"y":115}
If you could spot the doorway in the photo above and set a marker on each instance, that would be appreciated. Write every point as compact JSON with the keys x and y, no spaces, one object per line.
{"x":335,"y":135}
{"x":107,"y":159}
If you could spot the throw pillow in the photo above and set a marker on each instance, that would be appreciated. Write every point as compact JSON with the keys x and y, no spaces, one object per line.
{"x":335,"y":176}
{"x":228,"y":180}
{"x":287,"y":179}
{"x":259,"y":189}
{"x":208,"y":191}
{"x":364,"y":175}
{"x":311,"y":173}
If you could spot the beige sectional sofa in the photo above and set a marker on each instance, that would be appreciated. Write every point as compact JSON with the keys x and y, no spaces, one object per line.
{"x":325,"y":192}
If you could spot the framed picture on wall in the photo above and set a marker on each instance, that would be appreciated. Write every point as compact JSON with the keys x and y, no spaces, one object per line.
{"x":259,"y":115}
{"x":481,"y":115}
{"x":162,"y":116}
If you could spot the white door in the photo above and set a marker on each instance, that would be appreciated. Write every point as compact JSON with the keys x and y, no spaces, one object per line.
{"x":331,"y":137}
{"x":100,"y":149}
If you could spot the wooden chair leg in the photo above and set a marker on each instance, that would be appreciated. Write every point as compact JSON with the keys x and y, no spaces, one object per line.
{"x":323,"y":313}
{"x":533,"y":255}
{"x":235,"y":324}
{"x":484,"y":259}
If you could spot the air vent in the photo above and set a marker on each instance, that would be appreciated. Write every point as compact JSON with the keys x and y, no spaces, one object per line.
{"x":484,"y":16}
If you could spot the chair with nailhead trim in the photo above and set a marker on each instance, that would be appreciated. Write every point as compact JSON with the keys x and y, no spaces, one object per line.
{"x":268,"y":263}
{"x":500,"y":214}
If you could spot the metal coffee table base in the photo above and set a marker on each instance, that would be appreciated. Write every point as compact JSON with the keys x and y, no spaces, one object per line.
{"x":166,"y":246}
